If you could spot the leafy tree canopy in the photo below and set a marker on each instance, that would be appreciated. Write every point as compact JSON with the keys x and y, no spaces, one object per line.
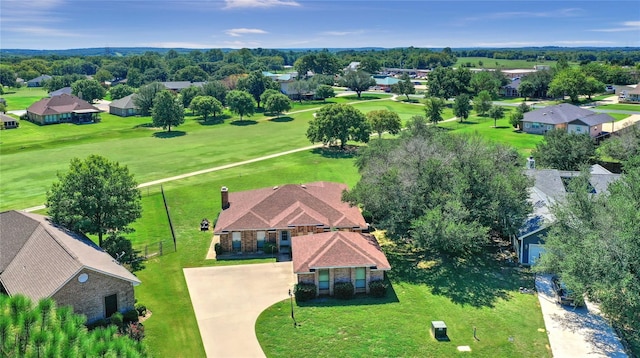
{"x":384,"y":120}
{"x":564,"y":151}
{"x":338,"y":122}
{"x":277,"y":104}
{"x":441,"y":192}
{"x":89,"y":90}
{"x":357,"y":81}
{"x":167,"y":111}
{"x":205,"y":106}
{"x":146,"y":95}
{"x":241,"y":103}
{"x":95,"y":196}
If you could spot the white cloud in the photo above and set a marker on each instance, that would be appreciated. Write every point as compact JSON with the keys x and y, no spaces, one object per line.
{"x":625,"y":26}
{"x":44,"y":31}
{"x":561,"y":13}
{"x":230,"y":4}
{"x":243,"y":31}
{"x":341,"y":33}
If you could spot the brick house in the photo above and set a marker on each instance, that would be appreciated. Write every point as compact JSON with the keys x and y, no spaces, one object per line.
{"x":339,"y":256}
{"x":62,"y":108}
{"x":39,"y":259}
{"x":249,"y":219}
{"x":567,"y":117}
{"x":124,"y":107}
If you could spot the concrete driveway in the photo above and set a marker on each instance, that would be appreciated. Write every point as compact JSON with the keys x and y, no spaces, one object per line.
{"x":227,"y":300}
{"x":575,"y":332}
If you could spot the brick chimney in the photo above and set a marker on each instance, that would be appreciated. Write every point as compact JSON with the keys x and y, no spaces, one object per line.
{"x":224,"y":194}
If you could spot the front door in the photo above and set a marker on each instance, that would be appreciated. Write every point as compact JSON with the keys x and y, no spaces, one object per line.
{"x":110,"y":305}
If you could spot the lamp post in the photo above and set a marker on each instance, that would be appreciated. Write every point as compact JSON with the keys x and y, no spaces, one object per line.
{"x":295,"y":324}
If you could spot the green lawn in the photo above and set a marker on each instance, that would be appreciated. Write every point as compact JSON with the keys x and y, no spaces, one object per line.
{"x":619,"y":116}
{"x":500,"y":63}
{"x":504,"y":133}
{"x":23,"y":97}
{"x":621,"y":107}
{"x":463,"y":294}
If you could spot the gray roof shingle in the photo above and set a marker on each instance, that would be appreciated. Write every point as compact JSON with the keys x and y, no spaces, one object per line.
{"x":38,"y":257}
{"x":565,"y":113}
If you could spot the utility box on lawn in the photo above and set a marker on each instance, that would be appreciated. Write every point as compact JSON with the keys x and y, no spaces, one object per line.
{"x":439,"y":330}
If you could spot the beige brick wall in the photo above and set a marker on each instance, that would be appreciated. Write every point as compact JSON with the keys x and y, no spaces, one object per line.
{"x":307,"y":278}
{"x":249,"y":241}
{"x":88,"y":298}
{"x":376,"y":275}
{"x":225,"y":242}
{"x":342,"y":275}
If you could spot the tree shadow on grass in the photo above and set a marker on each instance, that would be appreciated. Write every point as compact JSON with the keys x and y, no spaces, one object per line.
{"x":281,"y":119}
{"x":211,"y":121}
{"x":502,"y":127}
{"x":172,"y":134}
{"x":144,"y":125}
{"x":244,"y":122}
{"x":478,"y":281}
{"x":358,"y":300}
{"x":336,"y":153}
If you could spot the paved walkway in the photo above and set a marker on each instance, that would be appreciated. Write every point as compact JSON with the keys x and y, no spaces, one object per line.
{"x":227,"y":300}
{"x":575,"y":332}
{"x":616,"y":126}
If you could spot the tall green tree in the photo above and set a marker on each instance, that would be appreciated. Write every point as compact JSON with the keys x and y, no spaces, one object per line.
{"x":277,"y":103}
{"x":594,"y":245}
{"x":7,"y":76}
{"x":241,"y":103}
{"x":569,"y":82}
{"x":255,"y":84}
{"x":357,"y":81}
{"x":441,"y":192}
{"x":462,"y":107}
{"x":167,"y":111}
{"x":95,"y":196}
{"x":120,"y":91}
{"x":188,"y":94}
{"x":384,"y":120}
{"x":433,"y":108}
{"x":205,"y":106}
{"x":526,"y":89}
{"x":268,"y":93}
{"x":121,"y":248}
{"x":564,"y":151}
{"x":144,"y":99}
{"x":325,"y":91}
{"x":485,"y":81}
{"x":338,"y":122}
{"x":369,"y":64}
{"x":89,"y":90}
{"x":215,"y":89}
{"x":482,"y":103}
{"x":496,"y":112}
{"x":404,"y":87}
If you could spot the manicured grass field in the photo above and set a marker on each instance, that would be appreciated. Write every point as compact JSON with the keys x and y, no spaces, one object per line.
{"x":465,"y":295}
{"x":500,"y":63}
{"x":619,"y":116}
{"x":504,"y":133}
{"x":23,"y":97}
{"x":621,"y":107}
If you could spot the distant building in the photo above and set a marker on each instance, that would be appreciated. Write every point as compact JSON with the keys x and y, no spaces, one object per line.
{"x":566,"y":117}
{"x":37,"y":82}
{"x":62,"y":108}
{"x":124,"y":107}
{"x":8,"y":122}
{"x":177,"y":86}
{"x":63,"y":90}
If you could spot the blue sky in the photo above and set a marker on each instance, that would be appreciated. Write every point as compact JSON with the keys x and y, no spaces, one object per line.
{"x":63,"y":24}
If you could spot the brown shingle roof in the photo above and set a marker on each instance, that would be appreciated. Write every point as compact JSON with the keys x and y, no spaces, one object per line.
{"x":64,"y":103}
{"x":314,"y":204}
{"x":337,"y":249}
{"x":41,"y":257}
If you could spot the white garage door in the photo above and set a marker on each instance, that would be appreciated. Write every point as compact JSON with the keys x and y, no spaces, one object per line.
{"x":535,"y":250}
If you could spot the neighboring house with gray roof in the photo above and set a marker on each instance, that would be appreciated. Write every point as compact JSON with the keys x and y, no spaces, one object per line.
{"x":124,"y":107}
{"x":39,"y":259}
{"x":177,"y":86}
{"x":632,"y":95}
{"x":511,"y":89}
{"x":62,"y":108}
{"x":338,"y":256}
{"x":37,"y":82}
{"x":63,"y":90}
{"x":8,"y":122}
{"x":550,"y":187}
{"x":567,"y":117}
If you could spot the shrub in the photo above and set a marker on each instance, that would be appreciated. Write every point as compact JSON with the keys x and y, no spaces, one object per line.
{"x":130,"y":316}
{"x":97,"y":323}
{"x":269,"y":248}
{"x":141,"y":309}
{"x":377,"y":288}
{"x":218,"y":248}
{"x":343,"y":290}
{"x":116,"y":319}
{"x":305,"y":292}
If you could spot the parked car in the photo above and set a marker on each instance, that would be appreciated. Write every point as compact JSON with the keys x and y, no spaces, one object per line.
{"x":564,"y":295}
